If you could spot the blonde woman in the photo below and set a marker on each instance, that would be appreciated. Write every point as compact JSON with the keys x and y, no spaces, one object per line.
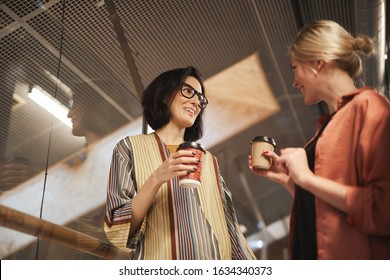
{"x":340,"y":180}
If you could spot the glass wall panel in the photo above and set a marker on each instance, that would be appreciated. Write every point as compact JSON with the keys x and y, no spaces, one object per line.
{"x":66,"y":100}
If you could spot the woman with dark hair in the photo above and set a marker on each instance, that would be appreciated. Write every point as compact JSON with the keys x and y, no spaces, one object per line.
{"x":148,"y":213}
{"x":158,"y":97}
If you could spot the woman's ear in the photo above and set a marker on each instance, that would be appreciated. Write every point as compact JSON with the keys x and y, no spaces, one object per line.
{"x":320,"y":64}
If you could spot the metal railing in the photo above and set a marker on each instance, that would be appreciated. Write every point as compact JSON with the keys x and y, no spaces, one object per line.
{"x":31,"y":225}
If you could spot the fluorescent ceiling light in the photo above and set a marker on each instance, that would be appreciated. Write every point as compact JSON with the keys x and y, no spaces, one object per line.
{"x":50,"y":104}
{"x":59,"y":83}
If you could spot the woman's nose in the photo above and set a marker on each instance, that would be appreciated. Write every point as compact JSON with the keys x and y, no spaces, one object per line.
{"x":295,"y":84}
{"x":195,"y":99}
{"x":70,"y":113}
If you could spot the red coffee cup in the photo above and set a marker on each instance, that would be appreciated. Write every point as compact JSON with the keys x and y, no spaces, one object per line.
{"x":192,"y":180}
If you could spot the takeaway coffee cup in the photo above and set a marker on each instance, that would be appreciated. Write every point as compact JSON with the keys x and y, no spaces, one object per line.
{"x":259,"y":144}
{"x":192,"y":180}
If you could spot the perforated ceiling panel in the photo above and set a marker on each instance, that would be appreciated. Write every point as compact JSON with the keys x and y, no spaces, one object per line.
{"x":211,"y":35}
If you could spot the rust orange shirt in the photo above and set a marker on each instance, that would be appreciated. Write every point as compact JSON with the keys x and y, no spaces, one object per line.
{"x":354,"y":150}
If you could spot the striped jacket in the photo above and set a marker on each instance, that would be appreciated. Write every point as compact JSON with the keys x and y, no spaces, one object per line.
{"x":182,"y":223}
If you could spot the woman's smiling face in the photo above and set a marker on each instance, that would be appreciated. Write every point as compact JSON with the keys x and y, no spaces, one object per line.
{"x":184,"y":111}
{"x":305,"y":79}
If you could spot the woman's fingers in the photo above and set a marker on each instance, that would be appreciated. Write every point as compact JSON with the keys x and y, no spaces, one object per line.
{"x":254,"y":169}
{"x":184,"y":156}
{"x":180,"y":163}
{"x":270,"y":154}
{"x":276,"y":160}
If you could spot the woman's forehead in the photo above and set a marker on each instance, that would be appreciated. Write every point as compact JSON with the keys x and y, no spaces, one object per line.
{"x":192,"y":81}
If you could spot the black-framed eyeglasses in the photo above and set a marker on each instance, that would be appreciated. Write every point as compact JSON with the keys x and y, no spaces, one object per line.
{"x":188,"y":92}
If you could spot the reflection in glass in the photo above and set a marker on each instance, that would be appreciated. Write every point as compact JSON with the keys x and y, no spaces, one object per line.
{"x":50,"y":169}
{"x":50,"y":104}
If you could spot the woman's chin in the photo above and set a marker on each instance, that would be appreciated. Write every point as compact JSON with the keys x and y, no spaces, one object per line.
{"x":309,"y":101}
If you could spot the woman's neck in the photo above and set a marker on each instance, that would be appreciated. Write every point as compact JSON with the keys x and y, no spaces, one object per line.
{"x":170,"y":134}
{"x":91,"y":137}
{"x":337,"y":87}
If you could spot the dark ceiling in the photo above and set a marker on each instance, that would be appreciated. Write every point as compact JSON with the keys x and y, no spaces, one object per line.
{"x":126,"y":44}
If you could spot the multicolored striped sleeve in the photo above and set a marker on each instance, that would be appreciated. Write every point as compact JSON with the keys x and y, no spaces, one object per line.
{"x":240,"y":247}
{"x":120,"y":191}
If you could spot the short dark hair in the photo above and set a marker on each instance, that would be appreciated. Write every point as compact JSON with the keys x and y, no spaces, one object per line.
{"x":158,"y":96}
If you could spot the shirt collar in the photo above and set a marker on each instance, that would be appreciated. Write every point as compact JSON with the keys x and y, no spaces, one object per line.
{"x":343,"y":100}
